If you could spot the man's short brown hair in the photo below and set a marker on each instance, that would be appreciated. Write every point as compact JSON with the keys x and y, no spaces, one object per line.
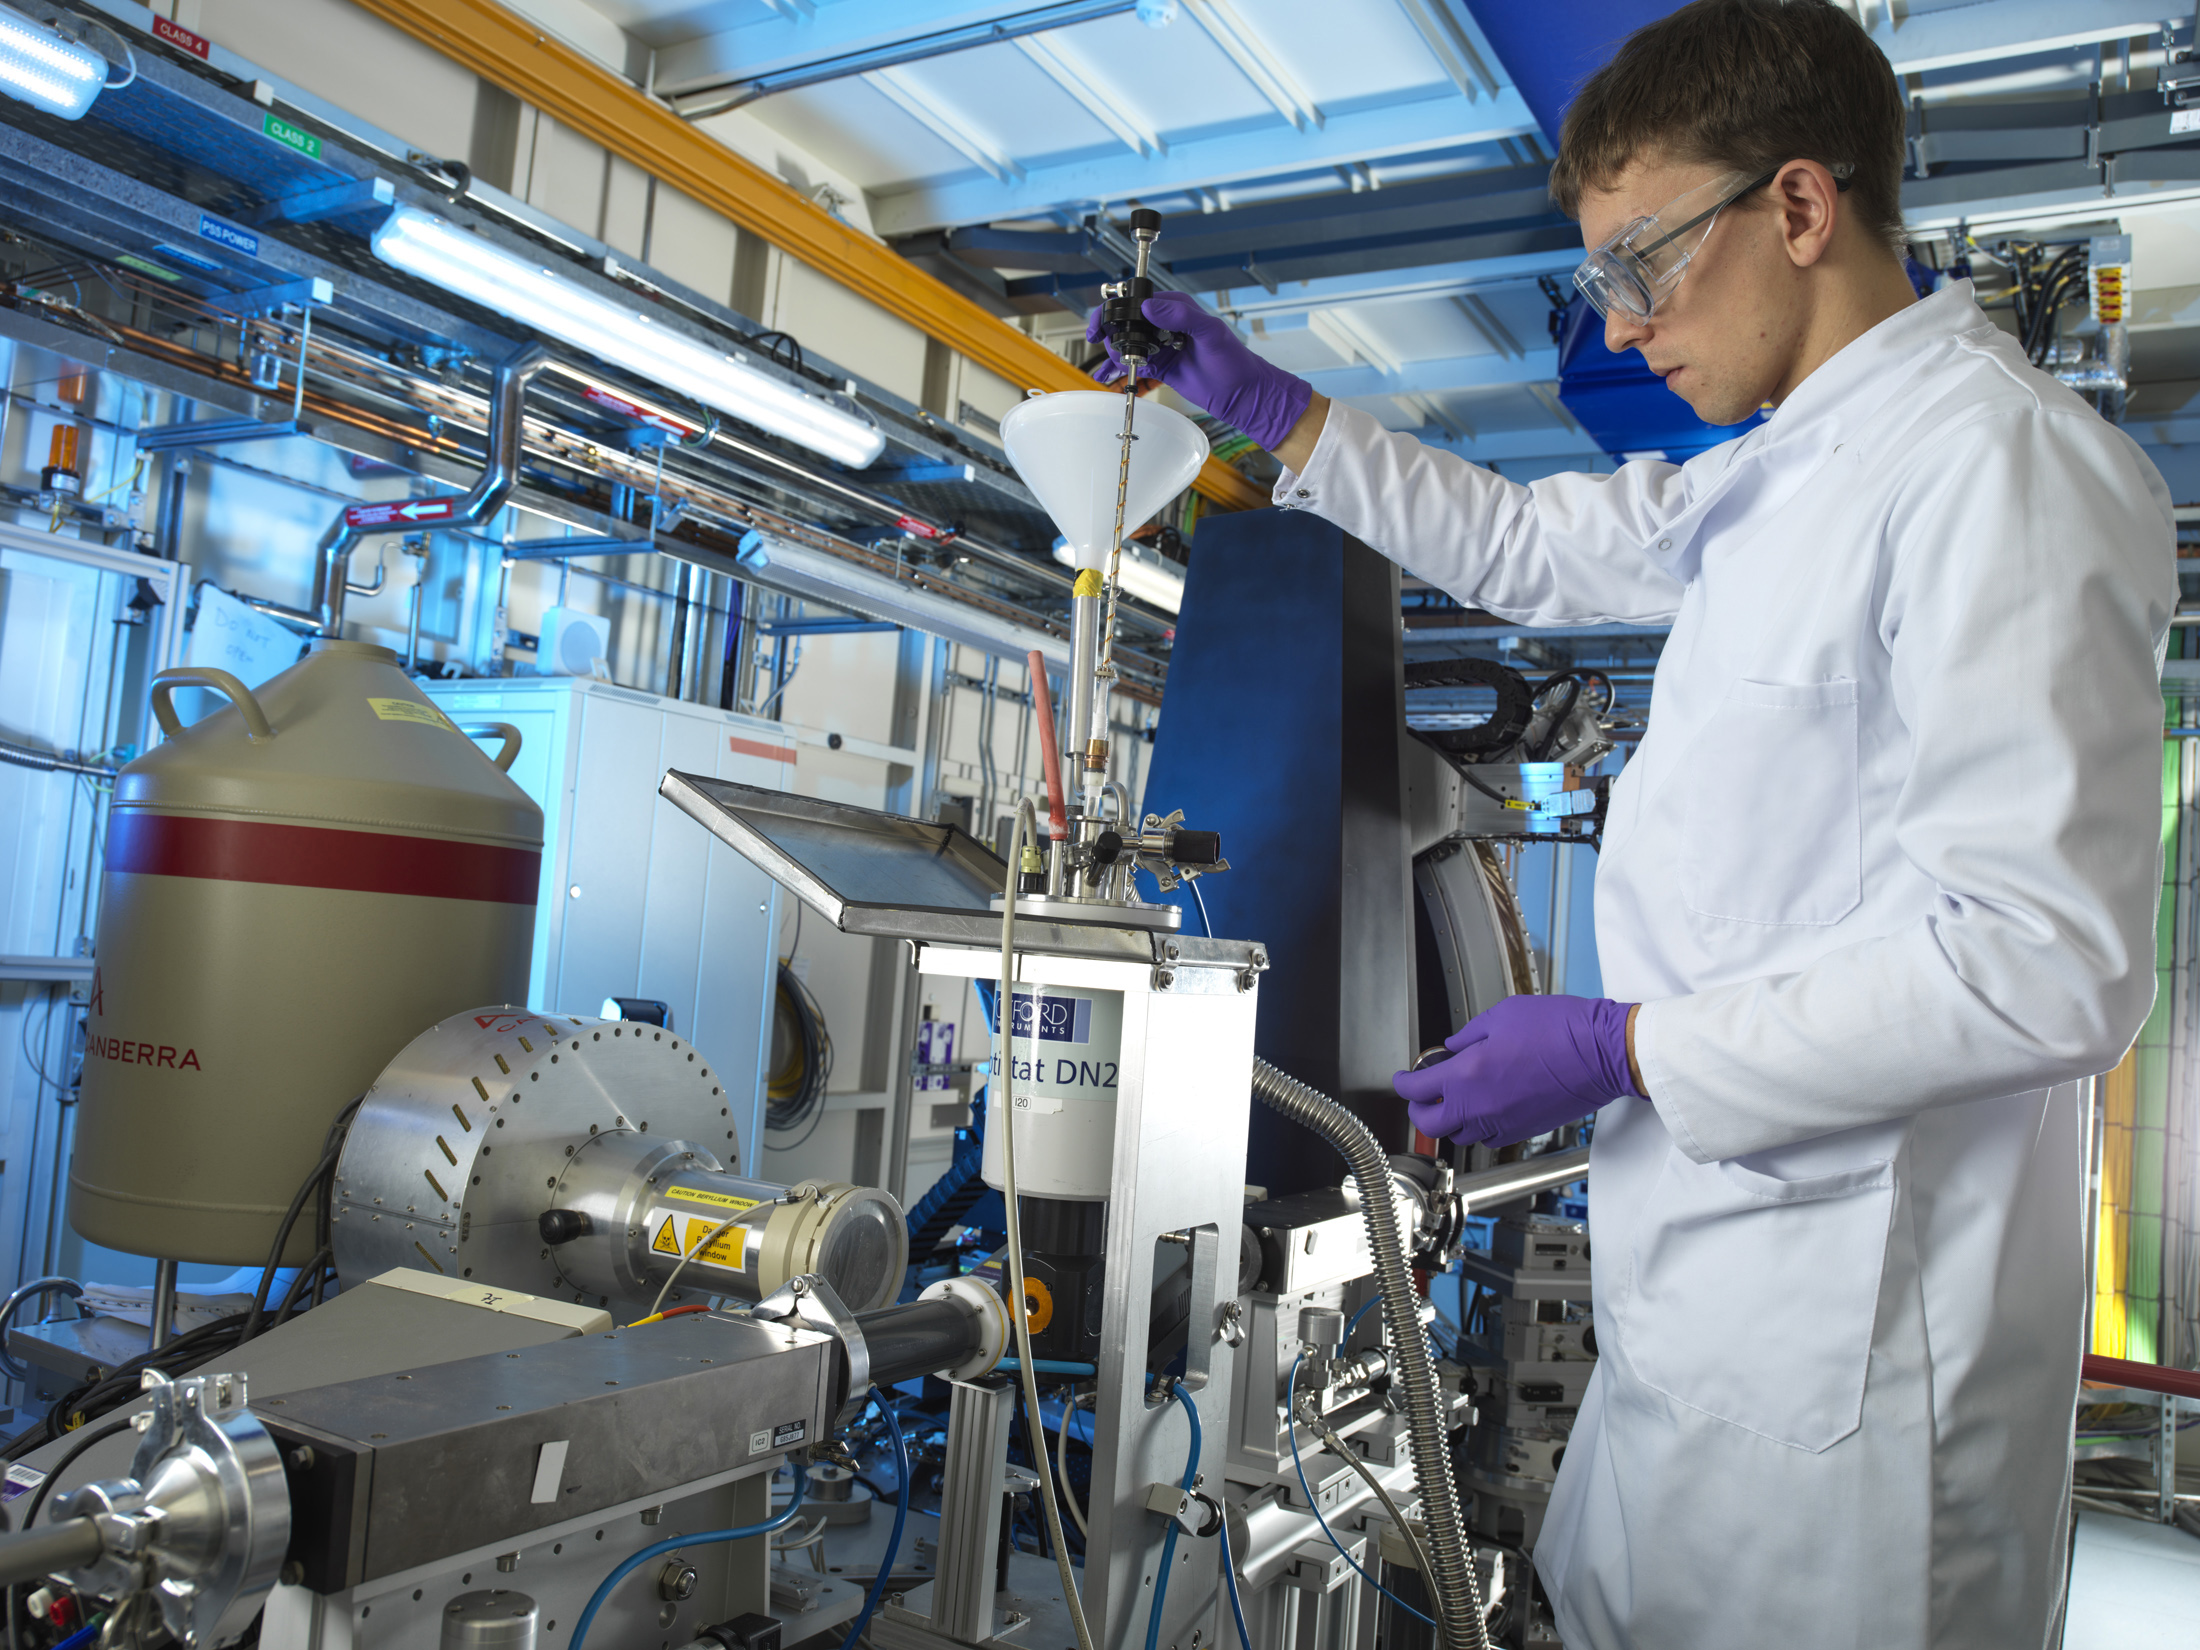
{"x":1745,"y":85}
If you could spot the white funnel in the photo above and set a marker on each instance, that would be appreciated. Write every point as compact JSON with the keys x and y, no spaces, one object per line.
{"x":1068,"y":447}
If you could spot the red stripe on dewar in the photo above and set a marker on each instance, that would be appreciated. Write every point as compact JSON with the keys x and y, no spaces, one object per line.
{"x":311,"y":856}
{"x":756,"y":747}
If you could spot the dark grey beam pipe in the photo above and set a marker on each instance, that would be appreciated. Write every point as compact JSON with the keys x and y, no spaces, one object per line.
{"x":918,"y":1338}
{"x":35,"y":1554}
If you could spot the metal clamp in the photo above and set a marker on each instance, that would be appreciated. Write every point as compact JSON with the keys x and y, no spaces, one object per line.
{"x":1197,"y":1512}
{"x":203,"y":1520}
{"x":810,"y":1300}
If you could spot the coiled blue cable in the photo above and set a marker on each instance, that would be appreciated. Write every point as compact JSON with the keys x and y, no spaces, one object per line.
{"x":1168,"y":1546}
{"x":657,"y":1549}
{"x":901,"y":1517}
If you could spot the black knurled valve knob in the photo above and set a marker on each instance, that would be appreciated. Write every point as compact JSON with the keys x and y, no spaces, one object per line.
{"x":563,"y":1226}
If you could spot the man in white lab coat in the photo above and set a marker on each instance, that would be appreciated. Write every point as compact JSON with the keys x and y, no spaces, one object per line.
{"x":1877,"y":891}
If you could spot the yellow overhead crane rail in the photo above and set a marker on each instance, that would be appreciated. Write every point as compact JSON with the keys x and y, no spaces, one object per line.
{"x":508,"y":51}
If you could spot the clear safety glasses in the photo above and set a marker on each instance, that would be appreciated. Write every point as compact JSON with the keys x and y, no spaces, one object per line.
{"x":1638,"y":268}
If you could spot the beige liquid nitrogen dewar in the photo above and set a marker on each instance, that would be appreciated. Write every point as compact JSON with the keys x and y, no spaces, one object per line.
{"x":296,"y":885}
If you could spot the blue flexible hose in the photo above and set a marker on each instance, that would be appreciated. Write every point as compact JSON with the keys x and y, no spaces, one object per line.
{"x":901,"y":1517}
{"x":657,"y":1549}
{"x":1291,"y":1408}
{"x":1168,"y":1546}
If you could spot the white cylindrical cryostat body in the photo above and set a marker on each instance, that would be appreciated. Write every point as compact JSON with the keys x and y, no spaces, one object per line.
{"x":1065,"y":1055}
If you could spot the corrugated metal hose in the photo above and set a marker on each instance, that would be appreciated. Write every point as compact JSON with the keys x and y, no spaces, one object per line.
{"x":1453,"y":1589}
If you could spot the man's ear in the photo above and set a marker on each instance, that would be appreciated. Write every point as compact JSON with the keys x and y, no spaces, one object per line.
{"x":1808,"y":201}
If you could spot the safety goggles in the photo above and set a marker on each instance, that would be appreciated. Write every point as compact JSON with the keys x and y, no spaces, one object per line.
{"x":1638,"y":268}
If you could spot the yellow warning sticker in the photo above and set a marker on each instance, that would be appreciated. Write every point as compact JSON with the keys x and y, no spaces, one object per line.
{"x":728,"y":1250}
{"x":410,"y":710}
{"x":717,"y":1200}
{"x":686,"y":1234}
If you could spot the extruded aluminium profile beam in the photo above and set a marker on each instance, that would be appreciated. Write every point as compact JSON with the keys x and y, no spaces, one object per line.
{"x":714,"y":100}
{"x":508,"y":51}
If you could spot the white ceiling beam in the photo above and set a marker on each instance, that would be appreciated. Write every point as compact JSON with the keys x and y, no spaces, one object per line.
{"x":914,"y":102}
{"x":1463,"y":372}
{"x":1432,"y":281}
{"x":1949,"y":38}
{"x":789,"y":40}
{"x":1452,"y":45}
{"x":583,"y":26}
{"x":1433,"y":416}
{"x":1244,"y":47}
{"x":1348,"y":338}
{"x":1442,"y":122}
{"x":1067,"y":67}
{"x":1485,"y":321}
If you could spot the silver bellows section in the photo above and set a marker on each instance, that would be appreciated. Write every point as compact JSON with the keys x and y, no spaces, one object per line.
{"x":1458,"y":1597}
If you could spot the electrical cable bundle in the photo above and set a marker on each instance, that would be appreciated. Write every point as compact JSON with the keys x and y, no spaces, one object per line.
{"x":320,"y":1270}
{"x":86,"y":1402}
{"x":2039,"y":294}
{"x":796,"y":1088}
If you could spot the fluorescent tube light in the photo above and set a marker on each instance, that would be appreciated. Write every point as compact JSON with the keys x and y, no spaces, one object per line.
{"x":45,"y":70}
{"x":1149,"y":577}
{"x":624,"y":335}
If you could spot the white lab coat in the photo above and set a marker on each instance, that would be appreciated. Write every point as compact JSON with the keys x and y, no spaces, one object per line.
{"x":1883,"y":873}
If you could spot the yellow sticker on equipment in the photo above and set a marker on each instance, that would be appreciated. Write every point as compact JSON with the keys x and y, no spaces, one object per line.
{"x":409,"y":710}
{"x":728,"y":1249}
{"x":717,"y":1200}
{"x":668,"y":1241}
{"x":1089,"y":582}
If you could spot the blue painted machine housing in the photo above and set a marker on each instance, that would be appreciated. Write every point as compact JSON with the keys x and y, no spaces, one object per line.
{"x":1623,"y":405}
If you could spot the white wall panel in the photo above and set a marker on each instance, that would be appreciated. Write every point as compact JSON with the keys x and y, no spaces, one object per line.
{"x":830,"y":319}
{"x":359,"y":63}
{"x":692,"y":244}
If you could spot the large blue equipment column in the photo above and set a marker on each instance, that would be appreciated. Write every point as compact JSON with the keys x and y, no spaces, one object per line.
{"x":1282,"y":728}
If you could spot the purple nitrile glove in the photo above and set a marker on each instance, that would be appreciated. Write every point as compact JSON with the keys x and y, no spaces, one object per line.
{"x":1213,"y":370}
{"x":1522,"y":1069}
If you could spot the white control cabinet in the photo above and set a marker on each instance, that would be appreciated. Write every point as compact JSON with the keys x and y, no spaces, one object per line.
{"x":637,"y":899}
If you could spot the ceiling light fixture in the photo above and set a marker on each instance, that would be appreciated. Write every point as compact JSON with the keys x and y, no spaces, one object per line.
{"x":46,"y":69}
{"x":527,"y":291}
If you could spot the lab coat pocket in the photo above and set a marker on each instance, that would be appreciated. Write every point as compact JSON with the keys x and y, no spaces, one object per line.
{"x":1752,"y":1299}
{"x":1774,"y":828}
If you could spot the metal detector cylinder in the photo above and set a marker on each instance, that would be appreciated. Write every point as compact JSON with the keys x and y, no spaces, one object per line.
{"x":295,"y":884}
{"x":648,"y":1207}
{"x":584,"y":1159}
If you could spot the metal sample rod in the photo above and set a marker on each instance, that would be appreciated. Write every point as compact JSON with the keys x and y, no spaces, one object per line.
{"x":1509,"y":1182}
